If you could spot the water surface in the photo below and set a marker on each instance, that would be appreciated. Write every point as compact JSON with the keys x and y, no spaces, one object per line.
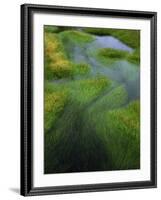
{"x":120,"y":71}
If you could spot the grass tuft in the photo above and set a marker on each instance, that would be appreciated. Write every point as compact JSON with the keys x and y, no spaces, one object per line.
{"x":55,"y":101}
{"x":76,"y":36}
{"x":83,"y":91}
{"x":109,"y":55}
{"x":123,"y":136}
{"x":57,"y":65}
{"x":134,"y":57}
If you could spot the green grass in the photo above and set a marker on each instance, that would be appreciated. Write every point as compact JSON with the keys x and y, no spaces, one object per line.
{"x":55,"y":101}
{"x":129,"y":37}
{"x":112,"y":53}
{"x":83,"y":91}
{"x":123,"y":136}
{"x":113,"y":99}
{"x":134,"y":57}
{"x":120,"y":129}
{"x":79,"y":92}
{"x":109,"y":55}
{"x":56,"y":29}
{"x":89,"y":124}
{"x":57,"y":65}
{"x":64,"y":149}
{"x":76,"y":37}
{"x":108,"y":140}
{"x":51,"y":29}
{"x":81,"y":68}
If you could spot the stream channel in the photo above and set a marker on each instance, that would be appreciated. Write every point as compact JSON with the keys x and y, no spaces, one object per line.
{"x":121,"y":72}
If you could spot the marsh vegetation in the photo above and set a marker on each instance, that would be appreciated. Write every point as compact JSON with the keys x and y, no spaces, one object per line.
{"x":92,"y":99}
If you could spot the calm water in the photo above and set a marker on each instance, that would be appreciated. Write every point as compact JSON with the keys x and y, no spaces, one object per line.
{"x":110,"y":42}
{"x":121,"y":71}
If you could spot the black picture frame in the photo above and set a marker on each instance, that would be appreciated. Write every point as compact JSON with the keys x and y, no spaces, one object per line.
{"x":27,"y":11}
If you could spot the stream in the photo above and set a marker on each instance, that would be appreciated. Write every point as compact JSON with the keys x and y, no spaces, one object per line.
{"x":120,"y":72}
{"x":74,"y":145}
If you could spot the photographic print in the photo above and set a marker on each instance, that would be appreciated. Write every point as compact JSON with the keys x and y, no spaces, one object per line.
{"x":91,"y":99}
{"x":88,"y":99}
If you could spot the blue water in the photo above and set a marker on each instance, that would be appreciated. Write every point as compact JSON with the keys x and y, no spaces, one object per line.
{"x":121,"y":71}
{"x":109,"y":42}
